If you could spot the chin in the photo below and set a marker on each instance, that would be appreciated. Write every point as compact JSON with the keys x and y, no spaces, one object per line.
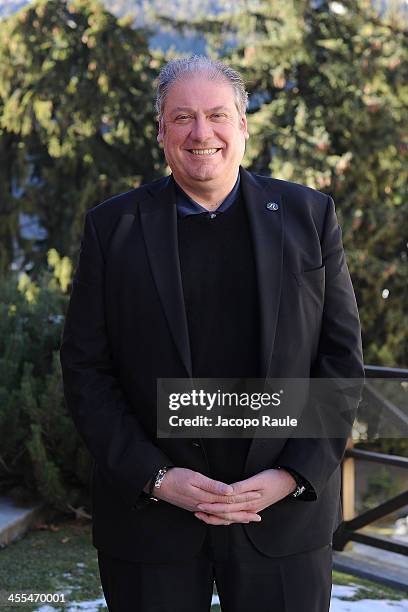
{"x":205,"y":174}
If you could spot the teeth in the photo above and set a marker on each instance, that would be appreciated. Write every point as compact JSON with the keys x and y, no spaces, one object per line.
{"x":203,"y":151}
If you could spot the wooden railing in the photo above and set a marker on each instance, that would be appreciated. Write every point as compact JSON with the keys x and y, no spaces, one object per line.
{"x":349,"y":529}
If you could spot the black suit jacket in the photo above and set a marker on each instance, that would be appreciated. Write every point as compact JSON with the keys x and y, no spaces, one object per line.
{"x":126,"y":326}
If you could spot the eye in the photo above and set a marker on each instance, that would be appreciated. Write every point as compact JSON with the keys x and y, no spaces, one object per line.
{"x":218,"y":116}
{"x":182,"y":118}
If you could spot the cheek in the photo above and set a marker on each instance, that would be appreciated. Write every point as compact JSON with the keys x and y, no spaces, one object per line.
{"x":233,"y":139}
{"x":173,"y":143}
{"x":177,"y":134}
{"x":169,"y":146}
{"x":236,"y":145}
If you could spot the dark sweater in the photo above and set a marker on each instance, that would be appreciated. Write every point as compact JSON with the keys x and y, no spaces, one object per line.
{"x":221,"y":298}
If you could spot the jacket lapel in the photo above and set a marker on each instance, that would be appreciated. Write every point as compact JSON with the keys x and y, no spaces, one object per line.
{"x":265,"y":213}
{"x":159,"y":224}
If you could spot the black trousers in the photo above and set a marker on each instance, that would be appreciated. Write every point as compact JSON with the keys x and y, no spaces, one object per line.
{"x":246,"y":579}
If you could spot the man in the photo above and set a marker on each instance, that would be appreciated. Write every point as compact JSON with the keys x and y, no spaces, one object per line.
{"x":211,"y":272}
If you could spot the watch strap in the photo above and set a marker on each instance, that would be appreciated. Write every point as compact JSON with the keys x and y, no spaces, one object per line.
{"x":157,"y":481}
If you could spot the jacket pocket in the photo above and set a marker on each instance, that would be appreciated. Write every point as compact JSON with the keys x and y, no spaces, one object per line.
{"x":312,"y":276}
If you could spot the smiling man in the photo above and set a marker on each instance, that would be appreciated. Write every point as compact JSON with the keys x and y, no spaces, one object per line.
{"x":212,"y":272}
{"x":203,"y":131}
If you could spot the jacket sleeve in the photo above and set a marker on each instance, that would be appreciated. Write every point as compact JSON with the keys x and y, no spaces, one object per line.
{"x":103,"y":417}
{"x":339,"y":356}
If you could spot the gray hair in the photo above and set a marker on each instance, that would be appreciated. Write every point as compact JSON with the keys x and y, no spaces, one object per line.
{"x":214,"y":70}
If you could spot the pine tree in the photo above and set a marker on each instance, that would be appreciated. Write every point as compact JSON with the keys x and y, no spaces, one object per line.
{"x":41,"y":455}
{"x":328,"y":108}
{"x":77,"y":119}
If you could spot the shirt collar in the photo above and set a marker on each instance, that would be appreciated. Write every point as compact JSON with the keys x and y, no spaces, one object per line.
{"x":187,"y":206}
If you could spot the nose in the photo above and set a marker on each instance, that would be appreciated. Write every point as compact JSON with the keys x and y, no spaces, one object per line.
{"x":201,"y":129}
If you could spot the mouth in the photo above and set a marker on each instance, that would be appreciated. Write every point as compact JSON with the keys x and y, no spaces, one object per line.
{"x":197,"y":152}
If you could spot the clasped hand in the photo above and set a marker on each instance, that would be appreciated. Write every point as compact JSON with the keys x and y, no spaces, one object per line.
{"x":217,"y":503}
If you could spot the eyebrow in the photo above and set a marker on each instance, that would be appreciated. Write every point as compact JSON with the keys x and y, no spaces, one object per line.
{"x":188,"y":109}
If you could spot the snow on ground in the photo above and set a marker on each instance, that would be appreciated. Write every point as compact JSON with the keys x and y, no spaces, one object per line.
{"x":369,"y":605}
{"x":339,"y":603}
{"x":363,"y":605}
{"x":88,"y":606}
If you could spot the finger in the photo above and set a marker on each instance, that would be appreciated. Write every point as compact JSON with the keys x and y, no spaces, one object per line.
{"x":240,"y":517}
{"x":212,"y":486}
{"x":227,"y":519}
{"x":245,"y":486}
{"x":207,"y":498}
{"x":217,"y":508}
{"x":211,"y":519}
{"x":202,"y":497}
{"x":241,"y":499}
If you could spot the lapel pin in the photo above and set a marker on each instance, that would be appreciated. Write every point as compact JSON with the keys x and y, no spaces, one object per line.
{"x":272,"y":206}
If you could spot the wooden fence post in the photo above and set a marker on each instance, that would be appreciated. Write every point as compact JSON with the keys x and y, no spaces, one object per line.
{"x":348,"y":485}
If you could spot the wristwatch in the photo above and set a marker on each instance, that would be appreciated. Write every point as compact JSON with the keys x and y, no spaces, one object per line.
{"x":301,"y":483}
{"x":157,"y":481}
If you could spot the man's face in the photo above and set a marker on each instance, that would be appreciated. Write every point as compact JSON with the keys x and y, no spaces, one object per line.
{"x":202,"y":132}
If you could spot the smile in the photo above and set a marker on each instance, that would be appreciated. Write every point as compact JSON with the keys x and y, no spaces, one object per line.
{"x":203,"y":151}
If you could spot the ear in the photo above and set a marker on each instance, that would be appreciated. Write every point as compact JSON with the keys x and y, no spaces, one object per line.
{"x":160,"y":131}
{"x":244,"y":126}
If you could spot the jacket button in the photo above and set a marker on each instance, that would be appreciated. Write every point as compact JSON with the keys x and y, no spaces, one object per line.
{"x":196,"y":443}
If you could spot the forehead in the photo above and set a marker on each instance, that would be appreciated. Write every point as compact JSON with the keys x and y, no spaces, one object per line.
{"x":198,"y":91}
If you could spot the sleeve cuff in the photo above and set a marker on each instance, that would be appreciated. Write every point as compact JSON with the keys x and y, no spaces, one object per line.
{"x":304,"y":489}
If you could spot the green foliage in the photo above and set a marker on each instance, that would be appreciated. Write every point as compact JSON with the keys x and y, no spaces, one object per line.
{"x":329,"y":97}
{"x":76,"y":118}
{"x":41,"y":453}
{"x":329,"y":93}
{"x":388,"y":446}
{"x":380,"y":487}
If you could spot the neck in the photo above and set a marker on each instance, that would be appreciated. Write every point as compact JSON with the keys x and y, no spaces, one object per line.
{"x":208,"y":196}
